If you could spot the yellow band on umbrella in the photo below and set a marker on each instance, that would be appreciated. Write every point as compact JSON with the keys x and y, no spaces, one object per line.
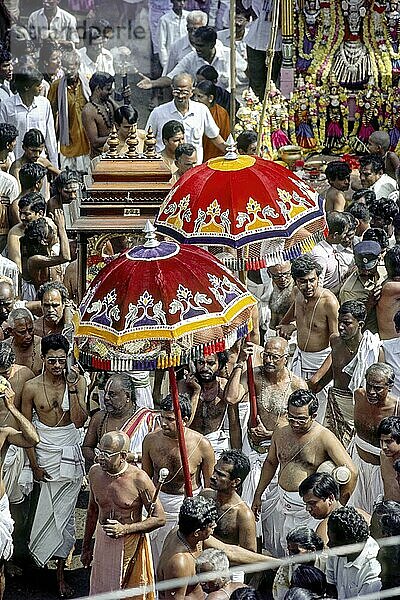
{"x":239,"y":163}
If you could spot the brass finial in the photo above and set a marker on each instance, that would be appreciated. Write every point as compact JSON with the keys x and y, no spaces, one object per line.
{"x":113,"y":143}
{"x":150,"y":144}
{"x":132,"y":142}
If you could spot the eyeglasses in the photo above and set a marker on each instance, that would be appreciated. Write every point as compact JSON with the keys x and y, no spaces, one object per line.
{"x":104,"y":453}
{"x":55,"y":360}
{"x":177,"y":92}
{"x":273,"y":357}
{"x":280,"y":275}
{"x":301,"y":420}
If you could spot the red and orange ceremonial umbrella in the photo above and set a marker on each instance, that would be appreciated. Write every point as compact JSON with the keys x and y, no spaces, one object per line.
{"x":243,"y":201}
{"x":158,"y":306}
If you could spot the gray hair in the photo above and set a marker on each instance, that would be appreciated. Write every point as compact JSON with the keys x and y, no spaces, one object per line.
{"x":384,"y":369}
{"x":127,"y":383}
{"x":71,"y":55}
{"x":180,"y":76}
{"x":197,"y":15}
{"x":218,"y":561}
{"x":17,"y":314}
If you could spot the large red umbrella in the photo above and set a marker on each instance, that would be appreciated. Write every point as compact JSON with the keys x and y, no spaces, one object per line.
{"x":158,"y":306}
{"x":244,"y":200}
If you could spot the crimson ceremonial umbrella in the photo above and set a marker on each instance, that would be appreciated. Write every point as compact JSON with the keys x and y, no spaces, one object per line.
{"x":157,"y":306}
{"x":238,"y":201}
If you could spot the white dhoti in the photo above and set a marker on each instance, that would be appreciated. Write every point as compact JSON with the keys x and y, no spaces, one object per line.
{"x":53,"y":529}
{"x":17,"y":475}
{"x":305,"y":365}
{"x":171,"y":504}
{"x":289,"y":512}
{"x":6,"y":529}
{"x":369,"y":484}
{"x":219,"y":440}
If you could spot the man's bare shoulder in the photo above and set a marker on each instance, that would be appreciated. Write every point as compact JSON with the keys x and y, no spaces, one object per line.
{"x":359,"y":395}
{"x":17,"y":231}
{"x":22,"y":373}
{"x":335,"y":340}
{"x":298,"y":383}
{"x":32,"y":384}
{"x":140,"y":477}
{"x":390,"y":287}
{"x":208,"y":493}
{"x":329,"y":298}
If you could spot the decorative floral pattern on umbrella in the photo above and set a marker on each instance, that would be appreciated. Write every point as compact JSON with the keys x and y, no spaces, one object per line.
{"x":239,"y":202}
{"x":166,"y":299}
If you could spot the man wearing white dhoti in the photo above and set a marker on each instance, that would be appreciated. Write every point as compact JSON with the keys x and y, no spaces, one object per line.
{"x":274,"y":383}
{"x":58,"y":399}
{"x":314,"y":313}
{"x":161,"y":450}
{"x":298,"y":449}
{"x":209,"y":407}
{"x":18,"y":432}
{"x":371,"y":405}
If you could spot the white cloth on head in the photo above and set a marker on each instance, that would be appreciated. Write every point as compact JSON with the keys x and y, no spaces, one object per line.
{"x":367,"y":355}
{"x":6,"y":529}
{"x":369,"y":481}
{"x":305,"y":365}
{"x":289,"y":512}
{"x":59,"y":453}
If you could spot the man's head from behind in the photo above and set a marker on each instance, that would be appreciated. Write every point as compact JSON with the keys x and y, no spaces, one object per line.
{"x":8,"y":137}
{"x":320,"y":493}
{"x":31,"y":177}
{"x":346,"y":526}
{"x":379,"y":142}
{"x":198,"y":517}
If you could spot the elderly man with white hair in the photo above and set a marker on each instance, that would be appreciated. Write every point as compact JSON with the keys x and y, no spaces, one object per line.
{"x":25,"y":344}
{"x":182,"y":46}
{"x":220,"y":588}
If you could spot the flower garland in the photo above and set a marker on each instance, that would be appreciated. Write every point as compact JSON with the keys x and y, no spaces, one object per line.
{"x":377,"y":46}
{"x":302,"y":35}
{"x":335,"y":38}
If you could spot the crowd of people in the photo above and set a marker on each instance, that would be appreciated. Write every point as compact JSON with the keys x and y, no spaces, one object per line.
{"x":319,"y":467}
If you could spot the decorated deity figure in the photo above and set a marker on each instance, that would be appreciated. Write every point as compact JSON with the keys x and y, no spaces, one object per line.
{"x":333,"y":117}
{"x":275,"y":127}
{"x":367,"y":118}
{"x":392,"y":24}
{"x":392,"y":118}
{"x":303,"y":125}
{"x":308,"y":34}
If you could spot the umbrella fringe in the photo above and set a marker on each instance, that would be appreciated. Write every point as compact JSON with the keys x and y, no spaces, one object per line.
{"x":276,"y":257}
{"x":125,"y":363}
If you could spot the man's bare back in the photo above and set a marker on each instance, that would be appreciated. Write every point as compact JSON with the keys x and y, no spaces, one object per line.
{"x":334,"y":200}
{"x":18,"y":377}
{"x":233,"y":519}
{"x":386,"y":308}
{"x":177,"y":560}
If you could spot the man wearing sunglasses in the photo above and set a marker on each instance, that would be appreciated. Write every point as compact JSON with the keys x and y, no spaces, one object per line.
{"x":298,"y":449}
{"x":57,"y":463}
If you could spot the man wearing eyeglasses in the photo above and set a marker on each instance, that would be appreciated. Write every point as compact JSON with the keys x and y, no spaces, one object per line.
{"x":58,"y":399}
{"x":194,"y":116}
{"x":298,"y":449}
{"x":274,"y":383}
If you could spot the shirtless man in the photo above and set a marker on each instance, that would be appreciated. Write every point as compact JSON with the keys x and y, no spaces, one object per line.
{"x":298,"y":449}
{"x":31,"y":206}
{"x":25,"y":344}
{"x":389,"y":301}
{"x":371,"y":404}
{"x":98,"y":113}
{"x":56,"y":310}
{"x":209,"y":406}
{"x":118,"y":493}
{"x":314,"y":314}
{"x":16,"y":375}
{"x":389,"y":438}
{"x":337,"y":173}
{"x":274,"y":383}
{"x":183,"y":545}
{"x":58,"y":399}
{"x":161,"y":450}
{"x":282,"y":296}
{"x":235,"y":523}
{"x":352,"y":352}
{"x":320,"y":494}
{"x":18,"y":431}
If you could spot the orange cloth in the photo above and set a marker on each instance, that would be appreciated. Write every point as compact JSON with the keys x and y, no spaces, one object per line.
{"x":221,"y":118}
{"x":79,"y":144}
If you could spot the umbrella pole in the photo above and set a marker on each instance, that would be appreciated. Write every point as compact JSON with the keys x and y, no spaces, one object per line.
{"x":232,"y":33}
{"x":181,"y":435}
{"x":250,"y":374}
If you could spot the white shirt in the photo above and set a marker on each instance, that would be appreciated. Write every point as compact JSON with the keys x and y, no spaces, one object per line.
{"x":192,"y":62}
{"x":325,"y":256}
{"x":62,"y":26}
{"x":384,"y":186}
{"x":356,"y":578}
{"x":39,"y":116}
{"x":197,"y":122}
{"x":218,"y":14}
{"x":9,"y":186}
{"x":104,"y":63}
{"x":260,"y":28}
{"x":178,"y":50}
{"x":171,"y":28}
{"x":5,"y":91}
{"x":241,"y":54}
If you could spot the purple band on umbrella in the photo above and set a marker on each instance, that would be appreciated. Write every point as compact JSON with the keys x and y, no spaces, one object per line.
{"x":163,"y":250}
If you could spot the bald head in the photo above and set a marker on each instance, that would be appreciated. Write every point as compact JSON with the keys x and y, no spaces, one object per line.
{"x":182,"y":79}
{"x":278,"y":343}
{"x":275,"y":355}
{"x":117,"y":441}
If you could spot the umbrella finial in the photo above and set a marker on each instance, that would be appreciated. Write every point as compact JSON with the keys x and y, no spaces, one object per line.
{"x":231,"y":153}
{"x":150,"y":235}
